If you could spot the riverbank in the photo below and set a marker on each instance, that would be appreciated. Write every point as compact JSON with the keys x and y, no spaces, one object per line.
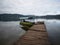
{"x":36,"y":35}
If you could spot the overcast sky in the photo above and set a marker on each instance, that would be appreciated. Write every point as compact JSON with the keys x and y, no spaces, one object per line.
{"x":34,"y":7}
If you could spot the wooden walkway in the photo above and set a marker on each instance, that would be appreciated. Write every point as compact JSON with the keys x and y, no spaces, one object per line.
{"x":36,"y":35}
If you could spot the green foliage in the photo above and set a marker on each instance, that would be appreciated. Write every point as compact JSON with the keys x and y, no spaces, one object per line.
{"x":25,"y":28}
{"x":29,"y":24}
{"x":26,"y":25}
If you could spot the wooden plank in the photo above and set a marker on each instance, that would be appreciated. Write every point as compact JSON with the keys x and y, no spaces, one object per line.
{"x":36,"y":35}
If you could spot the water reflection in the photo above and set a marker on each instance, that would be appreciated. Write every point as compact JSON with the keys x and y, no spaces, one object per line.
{"x":53,"y":29}
{"x":10,"y":32}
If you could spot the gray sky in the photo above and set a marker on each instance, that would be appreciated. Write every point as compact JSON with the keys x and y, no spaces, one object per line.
{"x":34,"y":7}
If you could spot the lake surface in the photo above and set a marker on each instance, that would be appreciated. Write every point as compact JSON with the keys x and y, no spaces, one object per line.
{"x":11,"y":31}
{"x":53,"y":29}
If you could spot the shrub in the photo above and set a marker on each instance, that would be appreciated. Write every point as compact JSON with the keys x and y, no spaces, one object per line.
{"x":29,"y":24}
{"x":25,"y":28}
{"x":26,"y":25}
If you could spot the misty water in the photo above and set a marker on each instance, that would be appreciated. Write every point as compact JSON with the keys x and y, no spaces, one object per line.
{"x":12,"y":31}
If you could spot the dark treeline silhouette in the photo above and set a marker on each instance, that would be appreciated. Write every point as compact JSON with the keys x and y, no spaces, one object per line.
{"x":10,"y":17}
{"x":15,"y":17}
{"x":49,"y":17}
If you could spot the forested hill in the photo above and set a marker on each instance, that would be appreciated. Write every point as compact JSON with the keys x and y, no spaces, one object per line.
{"x":49,"y":17}
{"x":15,"y":17}
{"x":10,"y":17}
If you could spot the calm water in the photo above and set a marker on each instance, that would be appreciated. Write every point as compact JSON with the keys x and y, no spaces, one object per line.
{"x":11,"y":31}
{"x":53,"y":29}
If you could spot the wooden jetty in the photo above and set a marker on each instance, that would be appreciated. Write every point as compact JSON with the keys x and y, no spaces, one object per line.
{"x":36,"y":35}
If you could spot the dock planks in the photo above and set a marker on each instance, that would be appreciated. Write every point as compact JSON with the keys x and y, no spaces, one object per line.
{"x":36,"y":35}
